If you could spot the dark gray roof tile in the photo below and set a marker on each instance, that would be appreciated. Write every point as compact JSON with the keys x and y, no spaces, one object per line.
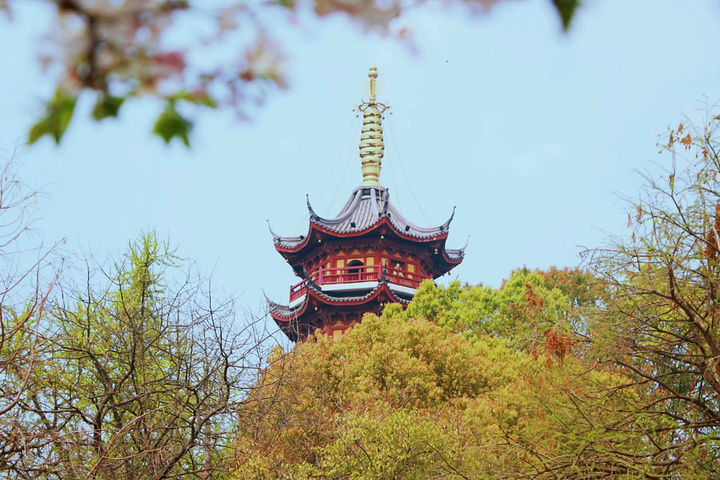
{"x":366,"y":207}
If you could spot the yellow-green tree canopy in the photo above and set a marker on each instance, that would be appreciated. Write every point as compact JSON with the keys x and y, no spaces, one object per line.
{"x":408,"y":399}
{"x":531,"y":310}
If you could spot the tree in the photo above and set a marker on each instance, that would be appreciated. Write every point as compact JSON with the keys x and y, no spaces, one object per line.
{"x":406,"y":399}
{"x":140,"y":376}
{"x":29,"y":272}
{"x":116,"y":50}
{"x":532,"y":310}
{"x":661,"y":323}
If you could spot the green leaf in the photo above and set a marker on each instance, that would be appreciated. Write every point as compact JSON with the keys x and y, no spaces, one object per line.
{"x":566,"y":9}
{"x":197,"y":97}
{"x":107,"y":106}
{"x":59,"y":113}
{"x":171,"y":124}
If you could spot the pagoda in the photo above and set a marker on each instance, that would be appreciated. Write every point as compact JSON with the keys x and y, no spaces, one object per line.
{"x":367,"y":256}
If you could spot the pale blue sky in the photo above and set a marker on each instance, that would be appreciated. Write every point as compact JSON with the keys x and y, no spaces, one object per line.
{"x":532,"y":134}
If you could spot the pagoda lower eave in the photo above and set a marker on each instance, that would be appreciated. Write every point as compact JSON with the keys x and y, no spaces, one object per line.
{"x":331,"y":312}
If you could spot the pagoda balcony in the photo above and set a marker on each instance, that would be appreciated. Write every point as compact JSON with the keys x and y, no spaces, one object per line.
{"x":357,"y":276}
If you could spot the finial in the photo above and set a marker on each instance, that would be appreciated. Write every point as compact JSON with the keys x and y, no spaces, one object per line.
{"x":372,"y":146}
{"x":373,"y":75}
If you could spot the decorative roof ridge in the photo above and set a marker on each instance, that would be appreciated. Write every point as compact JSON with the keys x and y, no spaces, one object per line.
{"x":350,"y":207}
{"x":299,"y":240}
{"x":374,"y":202}
{"x":457,"y":253}
{"x":276,"y":237}
{"x":278,"y":240}
{"x":289,"y":314}
{"x":346,"y":211}
{"x":386,"y":203}
{"x":311,"y":212}
{"x":270,"y":302}
{"x":446,"y":226}
{"x":285,"y":311}
{"x":400,"y":222}
{"x":310,"y":282}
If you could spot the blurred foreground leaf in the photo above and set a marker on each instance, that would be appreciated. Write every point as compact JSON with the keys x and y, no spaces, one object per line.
{"x":197,"y":98}
{"x":171,"y":124}
{"x":102,"y":51}
{"x":566,"y":9}
{"x":59,"y":113}
{"x":107,"y":106}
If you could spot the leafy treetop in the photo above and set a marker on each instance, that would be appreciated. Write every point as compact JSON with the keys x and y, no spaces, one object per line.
{"x":407,"y":399}
{"x":532,"y":309}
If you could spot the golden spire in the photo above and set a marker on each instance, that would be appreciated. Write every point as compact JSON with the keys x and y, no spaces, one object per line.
{"x":372,"y":75}
{"x":371,"y":140}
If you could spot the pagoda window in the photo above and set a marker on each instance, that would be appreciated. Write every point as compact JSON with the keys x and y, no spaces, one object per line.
{"x":410,"y":269}
{"x":355,"y":263}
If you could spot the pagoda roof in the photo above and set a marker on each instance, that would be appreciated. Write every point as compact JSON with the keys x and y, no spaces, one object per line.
{"x":368,"y":208}
{"x":455,"y":254}
{"x":284,"y":312}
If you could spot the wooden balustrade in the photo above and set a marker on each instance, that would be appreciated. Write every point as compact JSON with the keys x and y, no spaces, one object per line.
{"x":297,"y":291}
{"x":357,"y":274}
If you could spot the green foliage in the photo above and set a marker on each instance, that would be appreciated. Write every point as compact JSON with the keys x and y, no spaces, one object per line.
{"x":138,"y":377}
{"x":566,"y":10}
{"x":198,"y":98}
{"x":107,"y":106}
{"x":384,"y":443}
{"x":170,"y":124}
{"x":59,"y":112}
{"x":407,"y":399}
{"x":529,"y":308}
